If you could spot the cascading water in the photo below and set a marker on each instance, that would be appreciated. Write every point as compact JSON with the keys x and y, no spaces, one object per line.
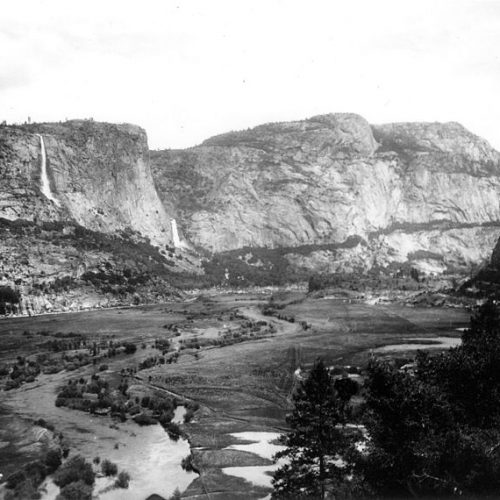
{"x":175,"y":234}
{"x":45,"y":187}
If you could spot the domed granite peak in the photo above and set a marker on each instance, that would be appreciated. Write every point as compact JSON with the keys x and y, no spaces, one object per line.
{"x":406,"y":189}
{"x":338,"y":134}
{"x":450,"y":138}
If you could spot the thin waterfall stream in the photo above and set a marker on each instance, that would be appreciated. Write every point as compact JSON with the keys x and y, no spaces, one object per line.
{"x":45,"y":184}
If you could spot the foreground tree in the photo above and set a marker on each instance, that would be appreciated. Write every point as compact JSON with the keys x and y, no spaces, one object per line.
{"x":437,"y":431}
{"x":315,"y":442}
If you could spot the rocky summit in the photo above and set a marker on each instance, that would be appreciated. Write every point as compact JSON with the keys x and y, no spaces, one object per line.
{"x":335,"y":193}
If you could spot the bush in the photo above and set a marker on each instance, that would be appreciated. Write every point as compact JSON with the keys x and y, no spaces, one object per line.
{"x":108,"y":468}
{"x":36,"y":471}
{"x":173,"y":430}
{"x":15,"y":479}
{"x":75,"y":469}
{"x":9,"y":295}
{"x":12,"y":384}
{"x":60,"y":402}
{"x":130,"y":348}
{"x":122,"y":480}
{"x":143,"y":419}
{"x":188,"y":416}
{"x":176,"y":495}
{"x":78,"y":490}
{"x":187,"y":464}
{"x":53,"y":460}
{"x":192,"y":405}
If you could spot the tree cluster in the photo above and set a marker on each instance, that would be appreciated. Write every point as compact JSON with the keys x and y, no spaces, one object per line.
{"x":435,"y":430}
{"x":431,"y":431}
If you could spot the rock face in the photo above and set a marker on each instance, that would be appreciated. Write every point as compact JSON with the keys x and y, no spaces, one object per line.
{"x":99,"y":173}
{"x":426,"y":193}
{"x":81,"y":223}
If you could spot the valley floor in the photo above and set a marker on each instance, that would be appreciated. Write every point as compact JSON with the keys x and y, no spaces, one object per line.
{"x":238,"y":363}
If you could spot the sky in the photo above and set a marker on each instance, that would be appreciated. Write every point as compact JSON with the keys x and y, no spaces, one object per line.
{"x":186,"y":70}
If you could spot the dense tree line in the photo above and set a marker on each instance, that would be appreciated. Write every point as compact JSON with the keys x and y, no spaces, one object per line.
{"x":431,"y":431}
{"x":9,"y":299}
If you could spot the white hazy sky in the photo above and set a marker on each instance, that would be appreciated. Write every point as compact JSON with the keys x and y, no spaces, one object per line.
{"x":189,"y":69}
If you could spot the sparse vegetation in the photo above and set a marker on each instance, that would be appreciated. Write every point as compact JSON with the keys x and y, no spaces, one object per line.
{"x":187,"y":464}
{"x":123,"y":480}
{"x":109,"y":468}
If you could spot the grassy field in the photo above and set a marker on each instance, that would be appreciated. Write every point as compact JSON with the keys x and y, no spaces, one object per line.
{"x":233,"y":360}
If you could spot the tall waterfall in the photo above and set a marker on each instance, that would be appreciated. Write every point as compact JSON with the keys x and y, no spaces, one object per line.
{"x":175,"y":234}
{"x":45,"y":187}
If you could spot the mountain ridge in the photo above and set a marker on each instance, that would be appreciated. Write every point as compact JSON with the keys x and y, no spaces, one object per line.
{"x":331,"y":177}
{"x":277,"y":203}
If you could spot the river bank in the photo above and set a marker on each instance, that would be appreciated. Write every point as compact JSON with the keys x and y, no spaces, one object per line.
{"x":237,"y":363}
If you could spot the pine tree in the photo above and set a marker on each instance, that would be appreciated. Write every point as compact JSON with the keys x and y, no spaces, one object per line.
{"x":315,"y":442}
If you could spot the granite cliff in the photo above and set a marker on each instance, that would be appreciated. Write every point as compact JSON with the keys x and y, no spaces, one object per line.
{"x":81,"y":224}
{"x":98,"y":174}
{"x":420,"y":193}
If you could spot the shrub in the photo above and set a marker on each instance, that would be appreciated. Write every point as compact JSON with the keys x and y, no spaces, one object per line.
{"x":7,"y":294}
{"x":173,"y":430}
{"x":188,"y":416}
{"x":130,"y":348}
{"x":143,"y":419}
{"x":134,"y":410}
{"x":53,"y":460}
{"x":187,"y":464}
{"x":15,"y":479}
{"x":36,"y":472}
{"x":75,"y":469}
{"x":176,"y":495}
{"x":12,"y":384}
{"x":122,"y":480}
{"x":165,"y":418}
{"x":78,"y":490}
{"x":109,"y":468}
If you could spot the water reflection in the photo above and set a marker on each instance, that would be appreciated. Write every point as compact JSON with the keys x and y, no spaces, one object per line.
{"x":153,"y":461}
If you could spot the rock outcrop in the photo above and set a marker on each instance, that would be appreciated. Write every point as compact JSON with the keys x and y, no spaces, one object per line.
{"x":426,"y":193}
{"x":98,"y":172}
